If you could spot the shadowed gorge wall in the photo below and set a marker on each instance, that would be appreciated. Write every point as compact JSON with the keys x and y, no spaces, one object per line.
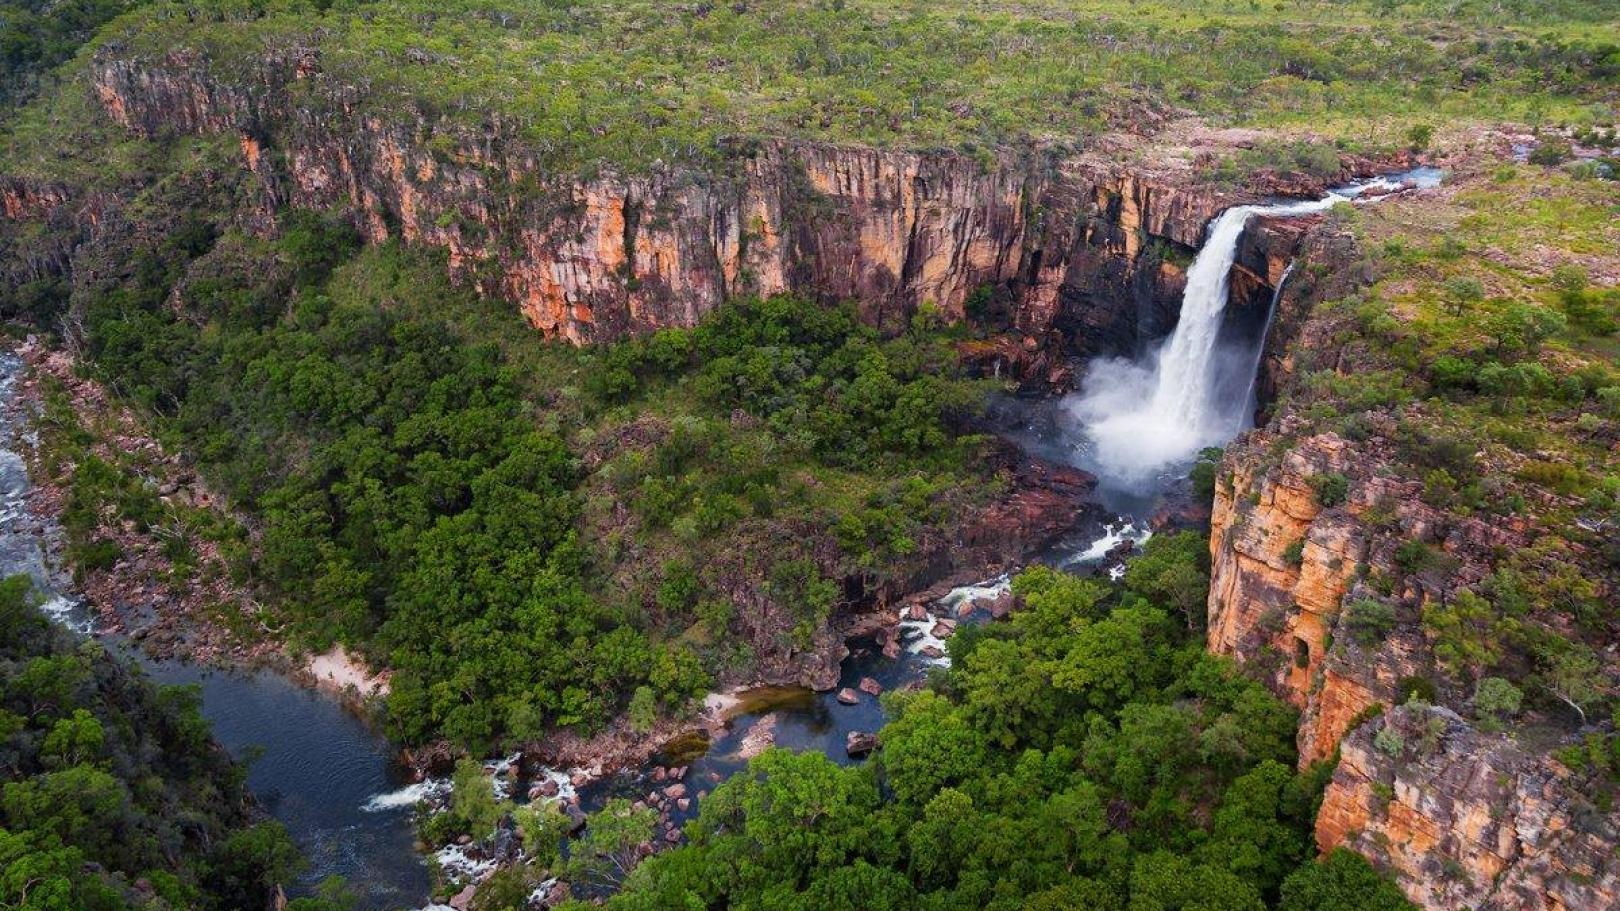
{"x":595,"y":258}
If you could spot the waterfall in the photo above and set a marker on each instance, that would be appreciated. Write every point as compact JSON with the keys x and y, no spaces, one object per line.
{"x":1251,"y":399}
{"x":1143,"y":417}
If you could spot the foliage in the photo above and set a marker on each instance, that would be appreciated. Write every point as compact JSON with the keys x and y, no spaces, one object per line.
{"x":1342,"y":881}
{"x":1369,"y":620}
{"x":632,"y":83}
{"x":1331,"y":489}
{"x":415,"y":493}
{"x":109,"y":780}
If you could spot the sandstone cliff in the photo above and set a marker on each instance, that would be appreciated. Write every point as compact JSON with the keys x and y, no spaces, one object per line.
{"x":1469,"y":820}
{"x":1079,"y":244}
{"x":1308,"y":521}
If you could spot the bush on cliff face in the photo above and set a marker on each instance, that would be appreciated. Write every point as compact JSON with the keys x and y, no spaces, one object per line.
{"x":1087,"y":753}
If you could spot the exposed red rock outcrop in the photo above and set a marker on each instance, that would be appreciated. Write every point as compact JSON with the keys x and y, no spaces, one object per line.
{"x":1468,"y":820}
{"x":1069,"y":238}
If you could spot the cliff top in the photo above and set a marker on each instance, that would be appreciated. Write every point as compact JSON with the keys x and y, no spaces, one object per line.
{"x":634,"y":81}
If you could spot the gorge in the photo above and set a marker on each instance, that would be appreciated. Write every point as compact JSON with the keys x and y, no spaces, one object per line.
{"x":808,"y":454}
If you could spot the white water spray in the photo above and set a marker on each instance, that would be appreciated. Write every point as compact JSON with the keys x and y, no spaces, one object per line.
{"x":1143,"y":418}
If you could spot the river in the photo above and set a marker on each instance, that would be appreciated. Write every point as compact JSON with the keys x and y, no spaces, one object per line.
{"x":312,"y":764}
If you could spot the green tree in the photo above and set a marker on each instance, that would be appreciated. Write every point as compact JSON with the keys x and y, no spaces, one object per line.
{"x":1342,"y":881}
{"x":607,"y":852}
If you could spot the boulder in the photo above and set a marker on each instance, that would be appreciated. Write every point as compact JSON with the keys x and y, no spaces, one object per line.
{"x":576,"y":818}
{"x":848,"y":696}
{"x":462,"y":900}
{"x":859,"y":743}
{"x":943,"y":629}
{"x":870,"y":686}
{"x":685,"y":803}
{"x":675,"y":790}
{"x":916,"y":612}
{"x":931,"y":651}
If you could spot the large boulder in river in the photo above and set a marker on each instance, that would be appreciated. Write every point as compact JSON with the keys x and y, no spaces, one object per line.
{"x":848,"y":696}
{"x":462,"y":900}
{"x":859,"y":743}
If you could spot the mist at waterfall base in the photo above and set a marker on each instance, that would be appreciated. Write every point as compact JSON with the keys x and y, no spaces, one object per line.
{"x":1139,"y":423}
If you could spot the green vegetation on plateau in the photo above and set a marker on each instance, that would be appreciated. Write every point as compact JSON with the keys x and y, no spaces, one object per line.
{"x":1484,"y":356}
{"x":632,"y":81}
{"x":112,"y":795}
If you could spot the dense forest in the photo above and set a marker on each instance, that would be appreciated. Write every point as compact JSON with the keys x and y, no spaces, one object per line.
{"x":113,"y":795}
{"x":1089,"y":753}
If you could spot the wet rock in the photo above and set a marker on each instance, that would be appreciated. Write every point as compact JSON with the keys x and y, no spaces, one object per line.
{"x":579,"y":779}
{"x":576,"y":818}
{"x":756,"y":740}
{"x":931,"y":651}
{"x":916,"y":612}
{"x":891,"y":647}
{"x":658,"y":773}
{"x":943,"y":629}
{"x":966,"y":608}
{"x":859,"y":743}
{"x":870,"y":686}
{"x":547,"y":788}
{"x":675,"y":790}
{"x":559,"y":893}
{"x":678,"y":772}
{"x":462,"y":900}
{"x":1001,"y":605}
{"x":685,"y":803}
{"x":848,"y":696}
{"x":672,"y":835}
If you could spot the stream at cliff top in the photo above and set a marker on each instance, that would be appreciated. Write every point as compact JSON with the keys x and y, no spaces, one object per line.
{"x":1137,"y":423}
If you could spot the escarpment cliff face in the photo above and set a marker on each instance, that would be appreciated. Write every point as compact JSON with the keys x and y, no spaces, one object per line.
{"x":1316,"y":587}
{"x":1076,"y":244}
{"x":1469,"y":820}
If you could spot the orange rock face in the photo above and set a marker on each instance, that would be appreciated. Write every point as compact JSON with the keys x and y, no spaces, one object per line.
{"x":1281,"y":566}
{"x":1466,"y":820}
{"x":597,"y":258}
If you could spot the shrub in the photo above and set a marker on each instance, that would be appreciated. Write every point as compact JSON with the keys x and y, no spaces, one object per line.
{"x":1331,"y":489}
{"x":1203,"y":473}
{"x":1294,"y":553}
{"x":1496,"y":699}
{"x":1551,"y":153}
{"x":1369,"y":620}
{"x":1389,"y":741}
